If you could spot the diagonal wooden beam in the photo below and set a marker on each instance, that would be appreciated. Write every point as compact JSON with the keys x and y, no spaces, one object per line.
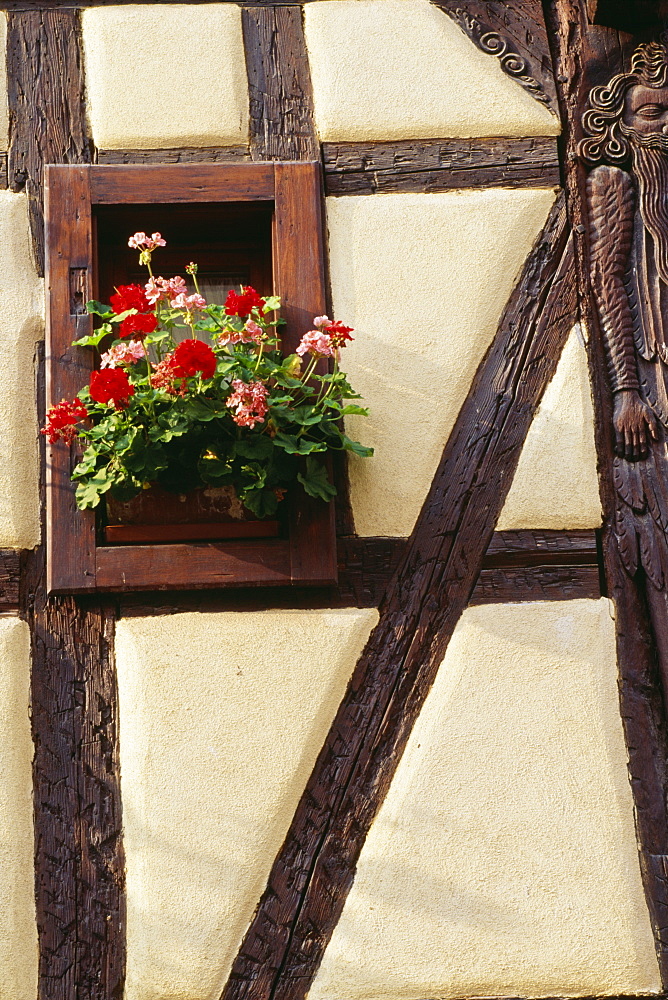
{"x":315,"y":868}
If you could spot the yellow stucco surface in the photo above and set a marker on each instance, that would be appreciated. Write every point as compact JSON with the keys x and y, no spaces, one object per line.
{"x":222,"y":717}
{"x":401,"y":69}
{"x":22,"y":294}
{"x":556,"y":485}
{"x":18,"y":929}
{"x":503,"y":861}
{"x":162,"y":76}
{"x":424,"y":280}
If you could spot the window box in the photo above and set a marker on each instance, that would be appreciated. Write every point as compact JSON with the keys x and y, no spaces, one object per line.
{"x":83,"y":203}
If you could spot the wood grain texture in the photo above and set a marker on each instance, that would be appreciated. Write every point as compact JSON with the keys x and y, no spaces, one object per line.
{"x":584,"y":56}
{"x":117,"y":184}
{"x":513,"y":31}
{"x":186,"y":154}
{"x":279,"y":84}
{"x":46,"y":105}
{"x":439,"y":165}
{"x":315,"y":868}
{"x":10,"y":576}
{"x":79,"y":866}
{"x":79,"y":863}
{"x":537,"y":583}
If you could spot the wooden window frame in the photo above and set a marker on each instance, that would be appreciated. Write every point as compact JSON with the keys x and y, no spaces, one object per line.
{"x":76,"y":562}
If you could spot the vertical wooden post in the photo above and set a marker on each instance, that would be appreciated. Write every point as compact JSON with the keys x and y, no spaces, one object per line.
{"x":78,"y":847}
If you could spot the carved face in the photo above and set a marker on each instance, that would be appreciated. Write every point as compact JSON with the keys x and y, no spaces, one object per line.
{"x":646,"y":111}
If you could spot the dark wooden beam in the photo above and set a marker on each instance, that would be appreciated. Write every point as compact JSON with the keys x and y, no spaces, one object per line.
{"x":514,"y":32}
{"x":584,"y":55}
{"x":79,"y":868}
{"x":314,"y":870}
{"x":10,"y":576}
{"x":635,"y":17}
{"x":426,"y":165}
{"x":279,"y":84}
{"x":536,"y":583}
{"x":46,"y":105}
{"x":202,"y":154}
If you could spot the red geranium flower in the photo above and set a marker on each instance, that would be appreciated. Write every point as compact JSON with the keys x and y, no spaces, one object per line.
{"x":61,"y":418}
{"x":241,"y":305}
{"x":138,"y":325}
{"x":192,"y":356}
{"x":111,"y":385}
{"x":129,"y":297}
{"x":339,"y":333}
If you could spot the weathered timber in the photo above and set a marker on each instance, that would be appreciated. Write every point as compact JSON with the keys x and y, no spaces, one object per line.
{"x":10,"y":574}
{"x":185,"y":154}
{"x":46,"y":105}
{"x":426,"y":165}
{"x":315,"y":868}
{"x":536,"y":583}
{"x":279,"y":85}
{"x":80,"y":905}
{"x":641,"y":15}
{"x":535,"y":547}
{"x":3,"y":170}
{"x":30,"y":5}
{"x":514,"y":32}
{"x":584,"y":56}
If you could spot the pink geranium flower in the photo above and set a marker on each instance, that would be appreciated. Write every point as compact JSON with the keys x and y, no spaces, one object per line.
{"x":140,"y":241}
{"x":249,"y":403}
{"x":123,"y":354}
{"x":158,"y":289}
{"x":316,"y":343}
{"x":189,"y":303}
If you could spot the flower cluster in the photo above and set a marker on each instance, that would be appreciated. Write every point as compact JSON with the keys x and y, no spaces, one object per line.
{"x":191,"y":393}
{"x":62,"y":419}
{"x":123,"y":354}
{"x":248,"y":403}
{"x":140,"y":241}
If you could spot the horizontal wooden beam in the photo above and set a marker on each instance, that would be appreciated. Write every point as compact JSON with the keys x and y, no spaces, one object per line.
{"x":519,"y":566}
{"x":190,"y":154}
{"x":425,"y":165}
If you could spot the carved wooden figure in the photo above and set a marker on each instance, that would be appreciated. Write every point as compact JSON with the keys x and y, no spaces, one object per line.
{"x":626,"y":128}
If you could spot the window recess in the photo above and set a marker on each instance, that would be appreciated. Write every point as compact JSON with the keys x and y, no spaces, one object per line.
{"x":250,"y":223}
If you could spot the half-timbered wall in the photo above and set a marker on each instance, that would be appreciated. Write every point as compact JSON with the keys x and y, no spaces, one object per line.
{"x":467,"y":827}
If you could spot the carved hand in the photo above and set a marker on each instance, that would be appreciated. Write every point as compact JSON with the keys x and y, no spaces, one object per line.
{"x":634,"y":422}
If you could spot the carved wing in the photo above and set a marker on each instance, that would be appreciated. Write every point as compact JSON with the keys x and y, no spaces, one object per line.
{"x":611,"y":201}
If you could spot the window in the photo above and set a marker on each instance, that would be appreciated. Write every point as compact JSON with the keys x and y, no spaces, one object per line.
{"x":257,"y":223}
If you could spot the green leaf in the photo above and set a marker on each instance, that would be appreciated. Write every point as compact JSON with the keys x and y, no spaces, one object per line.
{"x":256,"y":446}
{"x":99,"y":309}
{"x":355,"y":446}
{"x":119,"y":317}
{"x":272,"y":303}
{"x":298,"y":445}
{"x":262,"y":503}
{"x":94,"y":339}
{"x":316,"y":481}
{"x":362,"y":411}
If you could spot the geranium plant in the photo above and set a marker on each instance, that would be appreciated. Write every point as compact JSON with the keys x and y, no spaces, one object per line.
{"x":190,"y":393}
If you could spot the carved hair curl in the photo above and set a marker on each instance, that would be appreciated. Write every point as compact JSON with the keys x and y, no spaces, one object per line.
{"x":602,"y":121}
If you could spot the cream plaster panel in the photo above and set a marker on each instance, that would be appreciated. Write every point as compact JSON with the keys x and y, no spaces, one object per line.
{"x":18,"y":927}
{"x":21,"y":325}
{"x":503,"y":861}
{"x":4,"y":105}
{"x":161,"y":76}
{"x":402,"y":69}
{"x":424,"y":279}
{"x":556,"y":485}
{"x":222,"y":717}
